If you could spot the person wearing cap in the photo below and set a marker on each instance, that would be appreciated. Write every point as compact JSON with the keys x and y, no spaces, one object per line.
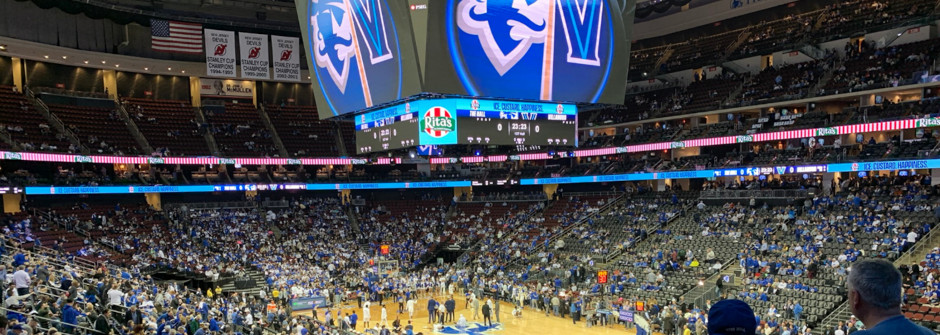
{"x":874,"y":294}
{"x":731,"y":317}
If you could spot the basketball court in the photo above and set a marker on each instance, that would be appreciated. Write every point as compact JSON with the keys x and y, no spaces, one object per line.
{"x":531,"y":322}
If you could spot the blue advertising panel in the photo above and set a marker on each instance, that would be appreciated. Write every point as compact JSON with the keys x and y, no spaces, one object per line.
{"x":886,"y":165}
{"x":59,"y":190}
{"x":558,"y":50}
{"x":300,"y":304}
{"x":626,"y":315}
{"x":360,"y":52}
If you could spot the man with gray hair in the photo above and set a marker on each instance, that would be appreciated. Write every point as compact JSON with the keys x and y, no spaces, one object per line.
{"x":875,"y":298}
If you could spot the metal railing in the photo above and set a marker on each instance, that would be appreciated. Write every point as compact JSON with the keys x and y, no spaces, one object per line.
{"x":220,"y":205}
{"x":567,"y":230}
{"x":508,"y":198}
{"x":756,"y":194}
{"x":616,"y":253}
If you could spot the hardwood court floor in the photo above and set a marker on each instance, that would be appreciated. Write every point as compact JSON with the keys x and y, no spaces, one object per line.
{"x":532,"y":321}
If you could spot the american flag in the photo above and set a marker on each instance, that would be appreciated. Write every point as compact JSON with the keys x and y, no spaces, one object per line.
{"x":173,"y":36}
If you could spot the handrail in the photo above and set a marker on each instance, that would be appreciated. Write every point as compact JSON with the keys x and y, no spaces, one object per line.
{"x":616,"y":253}
{"x":51,"y":322}
{"x":567,"y":230}
{"x":633,"y":148}
{"x":917,"y":248}
{"x":55,"y":119}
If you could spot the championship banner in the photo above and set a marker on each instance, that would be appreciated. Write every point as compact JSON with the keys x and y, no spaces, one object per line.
{"x":220,"y":53}
{"x":286,"y":58}
{"x":253,"y":53}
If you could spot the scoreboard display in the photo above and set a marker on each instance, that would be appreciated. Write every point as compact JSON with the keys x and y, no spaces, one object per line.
{"x":386,"y":129}
{"x":467,"y":121}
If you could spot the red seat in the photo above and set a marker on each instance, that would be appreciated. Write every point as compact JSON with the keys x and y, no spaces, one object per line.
{"x":918,"y":317}
{"x":924,"y":309}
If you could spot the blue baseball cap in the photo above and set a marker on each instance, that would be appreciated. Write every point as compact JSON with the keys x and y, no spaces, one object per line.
{"x":731,"y":317}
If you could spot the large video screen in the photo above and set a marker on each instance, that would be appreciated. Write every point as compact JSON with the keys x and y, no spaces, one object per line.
{"x":361,"y":53}
{"x":467,"y":121}
{"x":555,"y":50}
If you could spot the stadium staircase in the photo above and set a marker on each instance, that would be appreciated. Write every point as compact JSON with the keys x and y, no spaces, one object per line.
{"x":729,"y":51}
{"x":824,"y":79}
{"x":274,"y":135}
{"x":813,"y":51}
{"x":210,"y":139}
{"x":620,"y":199}
{"x":5,"y":137}
{"x":54,"y":120}
{"x":706,"y":291}
{"x":353,"y":219}
{"x":913,"y":255}
{"x":610,"y":258}
{"x":341,"y":142}
{"x":256,"y":276}
{"x":132,"y":128}
{"x":662,"y":60}
{"x":733,"y":67}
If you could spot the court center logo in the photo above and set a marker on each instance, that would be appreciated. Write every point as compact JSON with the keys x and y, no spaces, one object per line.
{"x":471,"y":329}
{"x":530,"y":44}
{"x":437,"y":122}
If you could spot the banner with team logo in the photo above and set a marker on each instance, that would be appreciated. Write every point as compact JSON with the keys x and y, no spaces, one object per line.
{"x":220,"y":53}
{"x":253,"y":52}
{"x":286,"y":58}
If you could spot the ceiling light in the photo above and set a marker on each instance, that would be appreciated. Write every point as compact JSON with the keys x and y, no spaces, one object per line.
{"x":46,"y":56}
{"x":117,"y":65}
{"x":169,"y":69}
{"x":86,"y":62}
{"x":65,"y":57}
{"x":104,"y":62}
{"x":146,"y":69}
{"x":3,"y":47}
{"x":184,"y":71}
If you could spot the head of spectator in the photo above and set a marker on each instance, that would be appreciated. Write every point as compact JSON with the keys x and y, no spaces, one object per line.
{"x":731,"y":317}
{"x":874,"y":289}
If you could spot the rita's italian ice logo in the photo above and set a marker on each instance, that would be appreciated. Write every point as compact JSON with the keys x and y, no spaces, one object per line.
{"x":854,"y":166}
{"x":438,"y":122}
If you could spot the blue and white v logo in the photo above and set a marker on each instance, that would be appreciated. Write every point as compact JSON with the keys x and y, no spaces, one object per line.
{"x":370,"y":22}
{"x":582,"y":23}
{"x":333,"y":40}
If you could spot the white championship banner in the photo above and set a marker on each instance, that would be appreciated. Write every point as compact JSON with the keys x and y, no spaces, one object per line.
{"x":220,"y":53}
{"x":253,"y":53}
{"x":286,"y":57}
